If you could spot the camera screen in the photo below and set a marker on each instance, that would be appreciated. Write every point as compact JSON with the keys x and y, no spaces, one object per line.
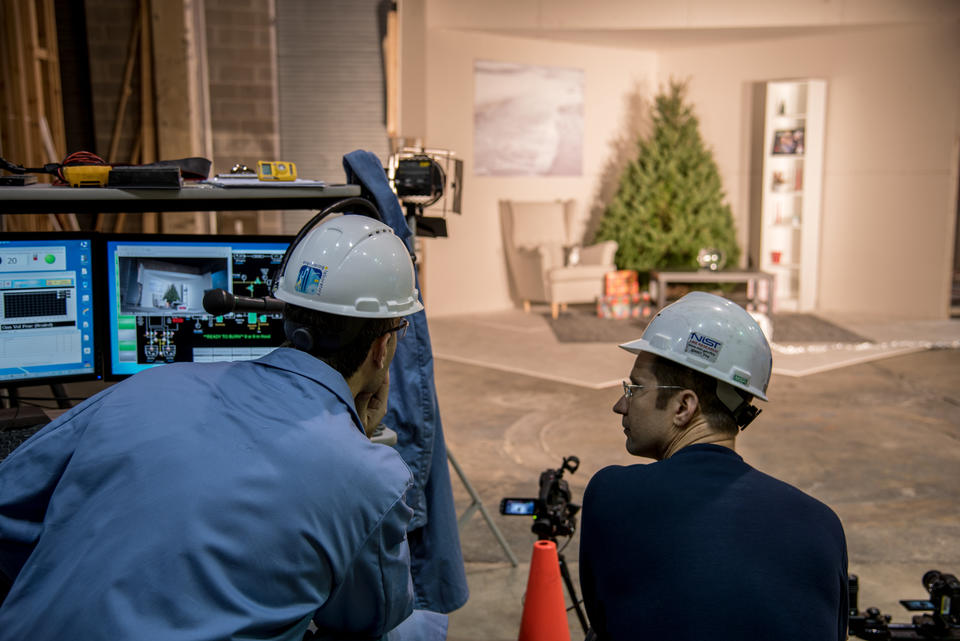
{"x":522,"y":507}
{"x":917,"y":604}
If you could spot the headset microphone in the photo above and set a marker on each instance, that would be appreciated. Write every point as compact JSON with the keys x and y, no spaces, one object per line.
{"x":219,"y":302}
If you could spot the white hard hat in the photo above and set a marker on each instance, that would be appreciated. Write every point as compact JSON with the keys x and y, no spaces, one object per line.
{"x":712,"y":335}
{"x":350,"y":266}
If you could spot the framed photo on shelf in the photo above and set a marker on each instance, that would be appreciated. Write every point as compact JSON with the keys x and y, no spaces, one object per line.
{"x":788,"y":141}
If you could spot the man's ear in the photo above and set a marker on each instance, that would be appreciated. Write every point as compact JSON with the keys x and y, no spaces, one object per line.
{"x":686,"y":406}
{"x":378,"y":351}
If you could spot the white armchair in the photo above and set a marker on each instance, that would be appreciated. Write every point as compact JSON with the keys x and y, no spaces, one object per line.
{"x":546,"y":263}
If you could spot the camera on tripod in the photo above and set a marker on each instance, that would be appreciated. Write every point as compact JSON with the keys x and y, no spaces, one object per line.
{"x":942,"y":623}
{"x":553,"y":513}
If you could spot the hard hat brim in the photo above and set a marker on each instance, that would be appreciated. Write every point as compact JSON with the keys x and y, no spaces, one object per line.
{"x":642,"y":345}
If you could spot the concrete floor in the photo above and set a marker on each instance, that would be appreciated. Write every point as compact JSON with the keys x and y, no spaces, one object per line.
{"x":873,"y":431}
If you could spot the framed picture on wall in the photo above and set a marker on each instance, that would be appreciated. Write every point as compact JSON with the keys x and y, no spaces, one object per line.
{"x":528,"y":120}
{"x":788,"y":142}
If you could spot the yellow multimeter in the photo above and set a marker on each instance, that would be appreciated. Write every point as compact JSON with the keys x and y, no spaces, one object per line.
{"x":87,"y":175}
{"x":276,"y":170}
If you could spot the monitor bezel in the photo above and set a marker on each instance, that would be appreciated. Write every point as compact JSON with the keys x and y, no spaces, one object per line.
{"x":95,"y":293}
{"x":104,"y":259}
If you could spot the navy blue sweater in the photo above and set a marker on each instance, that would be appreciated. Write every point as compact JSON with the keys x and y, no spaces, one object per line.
{"x":703,"y":546}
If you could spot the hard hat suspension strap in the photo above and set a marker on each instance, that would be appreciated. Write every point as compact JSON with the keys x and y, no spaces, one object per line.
{"x":743,"y":412}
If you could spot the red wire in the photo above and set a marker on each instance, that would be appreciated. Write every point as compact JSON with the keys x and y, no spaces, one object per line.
{"x":79,"y":158}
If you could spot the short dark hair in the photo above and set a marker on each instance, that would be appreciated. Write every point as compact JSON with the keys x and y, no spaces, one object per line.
{"x":717,"y":414}
{"x":348,"y":337}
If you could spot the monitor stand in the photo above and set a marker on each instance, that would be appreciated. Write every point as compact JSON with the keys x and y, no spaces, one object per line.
{"x":59,"y":394}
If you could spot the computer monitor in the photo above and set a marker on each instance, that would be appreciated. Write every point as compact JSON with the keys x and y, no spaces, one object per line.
{"x":48,"y":330}
{"x":155,"y":286}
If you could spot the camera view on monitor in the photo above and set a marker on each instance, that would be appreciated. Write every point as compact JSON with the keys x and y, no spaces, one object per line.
{"x":46,"y":309}
{"x":155,"y":294}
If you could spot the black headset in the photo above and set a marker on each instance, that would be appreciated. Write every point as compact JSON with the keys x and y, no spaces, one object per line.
{"x":304,"y":337}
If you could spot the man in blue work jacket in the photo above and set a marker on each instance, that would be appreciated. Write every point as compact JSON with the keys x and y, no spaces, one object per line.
{"x":230,"y":500}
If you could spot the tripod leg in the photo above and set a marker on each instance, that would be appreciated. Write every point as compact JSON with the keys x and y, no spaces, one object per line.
{"x":573,"y":593}
{"x":477,"y":504}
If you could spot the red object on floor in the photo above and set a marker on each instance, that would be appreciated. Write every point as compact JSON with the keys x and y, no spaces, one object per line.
{"x":622,"y":282}
{"x":544,"y":610}
{"x":624,"y":306}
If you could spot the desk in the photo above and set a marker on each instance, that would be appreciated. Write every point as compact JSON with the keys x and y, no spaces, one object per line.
{"x":48,"y":199}
{"x":759,"y":285}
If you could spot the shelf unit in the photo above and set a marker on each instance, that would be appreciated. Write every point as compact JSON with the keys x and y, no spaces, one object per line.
{"x":793,"y":138}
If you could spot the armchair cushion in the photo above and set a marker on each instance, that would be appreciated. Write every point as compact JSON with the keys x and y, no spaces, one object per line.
{"x":579,"y":272}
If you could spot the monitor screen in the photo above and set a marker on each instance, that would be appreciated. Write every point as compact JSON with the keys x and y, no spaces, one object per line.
{"x":155,"y":286}
{"x":47,"y":303}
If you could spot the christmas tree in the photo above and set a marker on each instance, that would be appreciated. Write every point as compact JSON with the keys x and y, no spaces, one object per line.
{"x":172,"y":296}
{"x":669,"y":204}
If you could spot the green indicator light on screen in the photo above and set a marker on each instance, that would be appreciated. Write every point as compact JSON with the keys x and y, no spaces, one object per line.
{"x":50,"y":259}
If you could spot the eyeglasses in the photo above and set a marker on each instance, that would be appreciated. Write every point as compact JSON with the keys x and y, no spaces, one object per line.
{"x":630,"y":389}
{"x":400,"y":329}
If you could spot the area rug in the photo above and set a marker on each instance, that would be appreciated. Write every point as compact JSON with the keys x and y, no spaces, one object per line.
{"x":579,"y":324}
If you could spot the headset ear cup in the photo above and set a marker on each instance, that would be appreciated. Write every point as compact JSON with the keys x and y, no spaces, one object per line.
{"x":300,"y":335}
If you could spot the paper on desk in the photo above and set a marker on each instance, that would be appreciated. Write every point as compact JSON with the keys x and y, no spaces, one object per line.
{"x":252,"y":181}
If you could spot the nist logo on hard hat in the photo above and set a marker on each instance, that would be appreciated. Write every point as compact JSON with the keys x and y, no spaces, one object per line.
{"x":706,"y":340}
{"x":703,"y":347}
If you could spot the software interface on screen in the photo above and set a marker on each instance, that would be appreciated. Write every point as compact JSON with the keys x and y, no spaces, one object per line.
{"x":46,"y":309}
{"x":155,"y":294}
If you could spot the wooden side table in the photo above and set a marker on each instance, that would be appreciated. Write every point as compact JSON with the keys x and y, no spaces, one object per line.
{"x":760,"y":285}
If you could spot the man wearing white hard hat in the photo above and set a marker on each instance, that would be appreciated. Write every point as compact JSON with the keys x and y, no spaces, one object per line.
{"x":230,"y":500}
{"x":698,"y":544}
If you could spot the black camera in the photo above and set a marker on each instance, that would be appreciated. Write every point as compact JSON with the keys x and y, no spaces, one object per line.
{"x":553,"y":513}
{"x":943,"y":622}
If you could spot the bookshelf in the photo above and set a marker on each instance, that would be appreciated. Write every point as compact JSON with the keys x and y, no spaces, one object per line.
{"x":794,"y":114}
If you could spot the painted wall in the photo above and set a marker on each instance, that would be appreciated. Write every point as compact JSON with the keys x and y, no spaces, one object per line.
{"x":890,"y":165}
{"x":893,"y":125}
{"x":467,"y":272}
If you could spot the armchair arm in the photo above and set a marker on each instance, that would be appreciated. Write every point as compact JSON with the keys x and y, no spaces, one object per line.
{"x":599,"y":254}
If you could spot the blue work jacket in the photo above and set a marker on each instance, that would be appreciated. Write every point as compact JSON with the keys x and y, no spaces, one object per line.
{"x":413,"y":411}
{"x":207,"y":501}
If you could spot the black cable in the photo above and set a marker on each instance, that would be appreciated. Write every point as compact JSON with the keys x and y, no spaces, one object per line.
{"x":9,"y":166}
{"x":49,"y":168}
{"x":338,"y":207}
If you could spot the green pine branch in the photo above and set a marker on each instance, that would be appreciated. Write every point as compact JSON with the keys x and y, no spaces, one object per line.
{"x":669,"y":203}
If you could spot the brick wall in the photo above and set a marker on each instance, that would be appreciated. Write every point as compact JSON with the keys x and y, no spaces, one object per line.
{"x":241,"y":63}
{"x":241,"y":60}
{"x":109,"y":24}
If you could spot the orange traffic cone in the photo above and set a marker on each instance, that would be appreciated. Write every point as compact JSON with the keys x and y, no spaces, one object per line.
{"x":544,"y":611}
